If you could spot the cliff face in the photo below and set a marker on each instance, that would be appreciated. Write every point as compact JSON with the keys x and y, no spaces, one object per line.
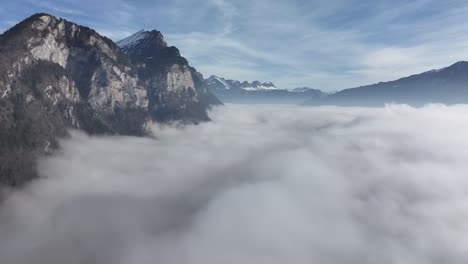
{"x":92,"y":74}
{"x":176,"y":90}
{"x":56,"y":75}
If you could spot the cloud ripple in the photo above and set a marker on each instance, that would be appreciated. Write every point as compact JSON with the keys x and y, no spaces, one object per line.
{"x":268,"y":184}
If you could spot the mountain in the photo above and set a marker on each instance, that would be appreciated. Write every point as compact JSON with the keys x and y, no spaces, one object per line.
{"x":220,"y":84}
{"x":232,"y":91}
{"x":56,"y":75}
{"x":176,"y":90}
{"x":448,"y":85}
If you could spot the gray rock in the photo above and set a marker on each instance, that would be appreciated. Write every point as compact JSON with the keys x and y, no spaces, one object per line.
{"x":177,"y":92}
{"x":56,"y":75}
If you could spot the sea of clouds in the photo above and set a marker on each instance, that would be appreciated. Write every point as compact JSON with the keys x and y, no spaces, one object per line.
{"x":259,"y":184}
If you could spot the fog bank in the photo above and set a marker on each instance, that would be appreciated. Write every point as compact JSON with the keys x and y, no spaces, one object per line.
{"x":259,"y":184}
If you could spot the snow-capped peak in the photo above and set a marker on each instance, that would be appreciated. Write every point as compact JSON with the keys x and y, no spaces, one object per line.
{"x":258,"y":86}
{"x":223,"y":84}
{"x":215,"y":79}
{"x":133,"y":39}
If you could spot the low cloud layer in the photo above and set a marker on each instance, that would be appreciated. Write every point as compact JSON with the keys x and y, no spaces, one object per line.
{"x":267,"y":184}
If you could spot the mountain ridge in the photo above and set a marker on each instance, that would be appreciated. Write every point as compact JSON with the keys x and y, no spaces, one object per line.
{"x":56,"y":75}
{"x":233,"y":91}
{"x":186,"y":96}
{"x":446,"y":85}
{"x":228,"y":84}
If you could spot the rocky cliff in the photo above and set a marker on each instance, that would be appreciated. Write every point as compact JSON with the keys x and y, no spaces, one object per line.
{"x":177,"y":91}
{"x":56,"y":75}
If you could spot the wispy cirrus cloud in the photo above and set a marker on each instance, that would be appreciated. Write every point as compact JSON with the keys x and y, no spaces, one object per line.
{"x":57,"y":8}
{"x":329,"y":45}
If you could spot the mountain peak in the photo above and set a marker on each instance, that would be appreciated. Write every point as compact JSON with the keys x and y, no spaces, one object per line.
{"x":464,"y":63}
{"x":461,"y":65}
{"x":446,"y":85}
{"x":456,"y":65}
{"x":142,"y":38}
{"x":150,"y":48}
{"x":216,"y":81}
{"x":41,"y":16}
{"x":37,"y":21}
{"x":219,"y":83}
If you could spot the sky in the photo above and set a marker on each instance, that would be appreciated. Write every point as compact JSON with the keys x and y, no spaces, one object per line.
{"x":329,"y":45}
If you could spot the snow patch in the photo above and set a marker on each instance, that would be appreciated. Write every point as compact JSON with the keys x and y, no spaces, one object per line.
{"x":260,"y":88}
{"x":133,"y":39}
{"x":223,"y":82}
{"x":229,"y":84}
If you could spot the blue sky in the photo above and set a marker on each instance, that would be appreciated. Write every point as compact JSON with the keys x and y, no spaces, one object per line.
{"x":331,"y":45}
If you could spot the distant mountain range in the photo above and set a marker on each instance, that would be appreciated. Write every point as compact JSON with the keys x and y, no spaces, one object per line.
{"x":220,"y":84}
{"x":447,"y":85}
{"x":232,"y":91}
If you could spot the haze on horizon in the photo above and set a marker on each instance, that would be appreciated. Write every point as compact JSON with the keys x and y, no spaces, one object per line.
{"x":337,"y":44}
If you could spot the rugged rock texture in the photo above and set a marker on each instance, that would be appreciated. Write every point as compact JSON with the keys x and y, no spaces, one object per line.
{"x":56,"y":75}
{"x":232,"y":91}
{"x":176,"y":90}
{"x":448,"y":85}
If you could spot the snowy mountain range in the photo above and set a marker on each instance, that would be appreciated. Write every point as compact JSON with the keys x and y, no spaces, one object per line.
{"x":232,"y":91}
{"x":447,"y":85}
{"x":218,"y":83}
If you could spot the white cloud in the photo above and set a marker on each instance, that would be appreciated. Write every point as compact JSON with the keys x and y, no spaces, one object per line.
{"x":393,"y":41}
{"x":227,"y":13}
{"x":259,"y":184}
{"x":328,"y":45}
{"x":58,"y":8}
{"x":333,"y":45}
